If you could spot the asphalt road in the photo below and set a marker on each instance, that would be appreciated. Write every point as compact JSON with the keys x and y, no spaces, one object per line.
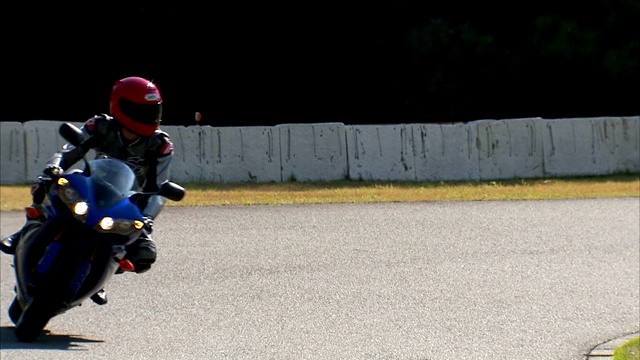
{"x":452,"y":280}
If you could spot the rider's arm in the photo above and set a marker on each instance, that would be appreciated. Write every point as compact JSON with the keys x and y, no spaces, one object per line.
{"x":162,"y":174}
{"x":69,"y":155}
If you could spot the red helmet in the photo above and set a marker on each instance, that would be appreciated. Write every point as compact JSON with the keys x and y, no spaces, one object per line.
{"x":136,"y":104}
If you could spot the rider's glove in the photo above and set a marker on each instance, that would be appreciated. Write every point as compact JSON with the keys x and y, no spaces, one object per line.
{"x":38,"y":192}
{"x":148,"y":224}
{"x":53,"y":170}
{"x":39,"y":189}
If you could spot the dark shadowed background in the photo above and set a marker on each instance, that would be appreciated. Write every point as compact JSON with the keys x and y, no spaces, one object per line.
{"x":264,"y":63}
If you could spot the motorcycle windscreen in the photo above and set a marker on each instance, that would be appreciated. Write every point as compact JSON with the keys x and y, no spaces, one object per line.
{"x":113,"y":181}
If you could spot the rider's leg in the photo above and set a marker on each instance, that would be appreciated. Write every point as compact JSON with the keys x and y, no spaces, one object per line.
{"x":142,"y":253}
{"x":35,"y":217}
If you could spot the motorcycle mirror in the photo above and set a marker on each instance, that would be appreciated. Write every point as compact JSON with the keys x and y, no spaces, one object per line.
{"x":171,"y":191}
{"x":75,"y":137}
{"x":71,"y":133}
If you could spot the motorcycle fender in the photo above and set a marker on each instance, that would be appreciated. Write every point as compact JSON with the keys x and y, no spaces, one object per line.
{"x":49,"y":257}
{"x":80,"y":277}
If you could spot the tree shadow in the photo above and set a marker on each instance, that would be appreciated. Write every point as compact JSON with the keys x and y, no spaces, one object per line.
{"x":46,"y":341}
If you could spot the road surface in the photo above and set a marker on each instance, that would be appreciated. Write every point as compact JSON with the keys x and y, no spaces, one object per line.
{"x":435,"y":280}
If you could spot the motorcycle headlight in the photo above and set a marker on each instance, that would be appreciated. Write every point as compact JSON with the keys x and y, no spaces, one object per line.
{"x":119,"y":226}
{"x":80,"y":208}
{"x":68,"y":194}
{"x":106,"y":223}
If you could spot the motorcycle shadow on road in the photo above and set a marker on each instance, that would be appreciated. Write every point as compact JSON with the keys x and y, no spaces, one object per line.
{"x":46,"y":341}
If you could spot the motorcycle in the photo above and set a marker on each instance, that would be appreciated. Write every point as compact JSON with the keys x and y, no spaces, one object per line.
{"x":91,"y":215}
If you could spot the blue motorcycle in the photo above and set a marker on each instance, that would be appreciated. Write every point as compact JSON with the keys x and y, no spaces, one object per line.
{"x":91,"y":215}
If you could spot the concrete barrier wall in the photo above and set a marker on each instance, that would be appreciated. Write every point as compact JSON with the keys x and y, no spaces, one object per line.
{"x":41,"y":141}
{"x":591,"y":146}
{"x":208,"y":154}
{"x":381,"y":152}
{"x":509,"y":149}
{"x":312,"y":152}
{"x":445,"y":152}
{"x":12,"y":153}
{"x":478,"y":150}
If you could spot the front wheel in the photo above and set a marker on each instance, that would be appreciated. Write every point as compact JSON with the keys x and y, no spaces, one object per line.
{"x":33,"y":320}
{"x":15,"y":310}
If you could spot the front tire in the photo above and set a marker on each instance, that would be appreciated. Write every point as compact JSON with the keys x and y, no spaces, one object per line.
{"x":33,"y":320}
{"x":15,"y":310}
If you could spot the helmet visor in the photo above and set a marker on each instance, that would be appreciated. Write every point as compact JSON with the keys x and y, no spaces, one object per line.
{"x":141,"y":113}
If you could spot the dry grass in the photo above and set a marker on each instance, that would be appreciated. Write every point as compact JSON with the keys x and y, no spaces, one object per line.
{"x":217,"y":194}
{"x":355,"y":192}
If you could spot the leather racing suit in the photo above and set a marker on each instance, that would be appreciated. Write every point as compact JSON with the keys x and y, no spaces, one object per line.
{"x":148,"y":157}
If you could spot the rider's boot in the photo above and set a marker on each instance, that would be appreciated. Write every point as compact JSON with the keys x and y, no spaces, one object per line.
{"x":142,"y":253}
{"x":100,"y":297}
{"x":35,"y":217}
{"x":9,"y":244}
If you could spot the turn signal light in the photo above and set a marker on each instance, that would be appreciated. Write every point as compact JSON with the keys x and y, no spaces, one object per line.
{"x":32,"y":212}
{"x":126,"y":265}
{"x":138,"y":224}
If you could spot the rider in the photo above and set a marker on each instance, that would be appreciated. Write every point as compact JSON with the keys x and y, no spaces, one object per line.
{"x":130,"y":133}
